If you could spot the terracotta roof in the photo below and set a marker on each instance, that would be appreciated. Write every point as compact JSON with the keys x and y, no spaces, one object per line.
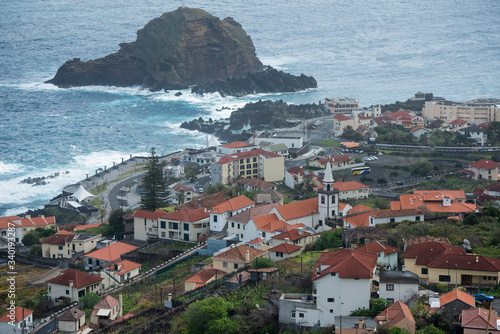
{"x":358,"y":209}
{"x":236,"y":144}
{"x":342,"y":118}
{"x":427,"y":252}
{"x":433,"y":201}
{"x":467,"y":171}
{"x":256,"y":241}
{"x":257,"y":183}
{"x":106,"y":303}
{"x":393,"y":213}
{"x":79,"y":278}
{"x":73,"y":315}
{"x":285,"y":248}
{"x":292,"y":235}
{"x":112,"y":252}
{"x":208,"y":201}
{"x":241,"y":155}
{"x":87,"y":226}
{"x":238,"y":254}
{"x":233,"y":204}
{"x":148,"y":214}
{"x":298,"y":209}
{"x":359,"y":220}
{"x":275,"y":195}
{"x":395,"y":313}
{"x":4,"y":221}
{"x":295,"y":170}
{"x":245,"y":216}
{"x":493,"y":187}
{"x":348,"y":262}
{"x":478,"y":318}
{"x":18,"y":314}
{"x":466,"y":262}
{"x":204,"y":275}
{"x":123,"y":267}
{"x":37,"y":221}
{"x":430,"y":195}
{"x":269,"y":223}
{"x":240,"y":277}
{"x":457,"y":294}
{"x":484,"y":164}
{"x":425,"y":238}
{"x":349,"y":185}
{"x":459,"y":121}
{"x":180,"y":187}
{"x":377,"y":247}
{"x":60,"y":238}
{"x":187,"y":215}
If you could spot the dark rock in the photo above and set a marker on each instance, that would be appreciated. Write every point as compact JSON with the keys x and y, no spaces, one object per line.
{"x":268,"y":81}
{"x":179,"y":49}
{"x":178,"y":94}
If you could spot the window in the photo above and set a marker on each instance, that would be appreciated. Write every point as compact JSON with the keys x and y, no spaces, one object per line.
{"x":392,"y":220}
{"x":301,"y":315}
{"x":249,"y":166}
{"x":389,"y":287}
{"x":425,"y":271}
{"x":391,"y":300}
{"x":232,"y":224}
{"x":248,"y":160}
{"x":224,"y":264}
{"x":163,"y":235}
{"x":235,"y":266}
{"x":215,"y":219}
{"x":417,"y":218}
{"x":293,"y":314}
{"x":330,"y":300}
{"x":444,"y":278}
{"x":331,"y":311}
{"x":163,"y":224}
{"x":254,"y":159}
{"x":175,"y":226}
{"x":238,"y":226}
{"x":333,"y":274}
{"x":333,"y":199}
{"x":67,"y":292}
{"x":60,"y":247}
{"x":255,"y":171}
{"x":323,"y":199}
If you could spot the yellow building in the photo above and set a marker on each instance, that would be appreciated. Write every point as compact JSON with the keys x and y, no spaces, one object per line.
{"x":236,"y":258}
{"x":65,"y":244}
{"x":435,"y":262}
{"x":473,"y":111}
{"x":252,"y":164}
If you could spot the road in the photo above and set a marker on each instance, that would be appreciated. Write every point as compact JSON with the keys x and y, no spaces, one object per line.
{"x":48,"y":327}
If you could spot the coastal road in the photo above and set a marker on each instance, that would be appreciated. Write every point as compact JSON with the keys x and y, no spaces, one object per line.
{"x":132,"y":197}
{"x":49,"y":327}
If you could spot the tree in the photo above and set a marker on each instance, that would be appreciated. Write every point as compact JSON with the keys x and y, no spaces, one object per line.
{"x":202,"y":314}
{"x":262,"y":262}
{"x":471,"y":219}
{"x":36,"y":250}
{"x":430,"y":330}
{"x":180,"y":196}
{"x":154,"y":186}
{"x":223,"y":326}
{"x":378,"y":305}
{"x":382,"y":180}
{"x":89,"y":300}
{"x":116,"y":220}
{"x":329,"y":239}
{"x":30,"y":238}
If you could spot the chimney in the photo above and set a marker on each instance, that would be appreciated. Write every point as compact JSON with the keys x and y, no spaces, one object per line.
{"x":28,"y":216}
{"x":169,"y":298}
{"x":301,"y":231}
{"x":120,"y":311}
{"x":247,"y":256}
{"x":71,"y":289}
{"x":42,"y":216}
{"x":477,"y":258}
{"x":287,"y":240}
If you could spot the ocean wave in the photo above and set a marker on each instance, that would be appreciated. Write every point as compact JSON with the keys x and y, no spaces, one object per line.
{"x":10,"y":168}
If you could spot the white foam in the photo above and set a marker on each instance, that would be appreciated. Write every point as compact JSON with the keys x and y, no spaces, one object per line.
{"x":10,"y":168}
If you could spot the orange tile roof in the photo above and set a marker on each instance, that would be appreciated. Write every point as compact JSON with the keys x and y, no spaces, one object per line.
{"x":349,"y":185}
{"x":358,"y":209}
{"x":466,"y":262}
{"x":438,"y":195}
{"x":393,"y":213}
{"x":298,"y":209}
{"x":349,"y":263}
{"x":427,"y":252}
{"x":187,"y":215}
{"x":18,"y":314}
{"x":233,"y":204}
{"x":238,"y":254}
{"x":360,"y":220}
{"x":236,"y":144}
{"x":148,"y":214}
{"x":349,"y":144}
{"x":208,"y":201}
{"x":112,"y":252}
{"x":457,"y":294}
{"x":124,"y":266}
{"x":256,"y":241}
{"x":60,"y":238}
{"x":79,"y":278}
{"x":4,"y":221}
{"x":292,"y":235}
{"x":245,"y":216}
{"x":484,"y":164}
{"x":179,"y":187}
{"x":285,"y":248}
{"x":459,"y":121}
{"x":378,"y":247}
{"x":342,"y":118}
{"x":106,"y":303}
{"x":269,"y":223}
{"x":395,"y":313}
{"x":37,"y":221}
{"x":433,"y":201}
{"x":87,"y":226}
{"x":242,"y":155}
{"x":204,"y":275}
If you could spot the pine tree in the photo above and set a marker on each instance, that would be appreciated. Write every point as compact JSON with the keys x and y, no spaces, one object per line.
{"x":154,"y":186}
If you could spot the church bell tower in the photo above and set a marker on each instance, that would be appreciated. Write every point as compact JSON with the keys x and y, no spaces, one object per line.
{"x":328,"y":197}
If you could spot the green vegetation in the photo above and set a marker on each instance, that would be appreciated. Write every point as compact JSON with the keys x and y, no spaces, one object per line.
{"x":452,"y":182}
{"x":153,"y":185}
{"x":99,"y":189}
{"x":38,"y":234}
{"x":328,"y":143}
{"x":328,"y":240}
{"x":398,"y":135}
{"x":210,"y":316}
{"x":116,"y":220}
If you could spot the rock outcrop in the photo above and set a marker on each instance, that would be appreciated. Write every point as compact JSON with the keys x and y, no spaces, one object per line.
{"x":181,"y":49}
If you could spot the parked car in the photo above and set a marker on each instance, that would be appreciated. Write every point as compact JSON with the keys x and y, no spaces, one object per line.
{"x":482,"y":297}
{"x":374,"y":158}
{"x":367,"y":159}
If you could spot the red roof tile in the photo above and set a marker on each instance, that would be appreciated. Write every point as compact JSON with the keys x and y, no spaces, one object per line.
{"x":148,"y":214}
{"x":359,"y":220}
{"x":79,"y":278}
{"x":236,"y":144}
{"x":348,"y":262}
{"x":285,"y":248}
{"x":378,"y":247}
{"x":205,"y":275}
{"x":4,"y":221}
{"x":106,"y":303}
{"x":269,"y":223}
{"x":478,"y":318}
{"x":37,"y":221}
{"x":427,"y":252}
{"x":484,"y":164}
{"x":60,"y":238}
{"x":233,"y":204}
{"x":242,"y":155}
{"x":395,"y":313}
{"x":358,"y":209}
{"x":124,"y":266}
{"x":238,"y":254}
{"x":187,"y":215}
{"x":298,"y":209}
{"x":292,"y":235}
{"x":349,"y":185}
{"x":245,"y":216}
{"x":19,"y":312}
{"x":342,"y":118}
{"x":112,"y":252}
{"x":459,"y":121}
{"x":466,"y":262}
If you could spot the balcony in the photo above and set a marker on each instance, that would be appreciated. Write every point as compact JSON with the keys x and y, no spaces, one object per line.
{"x":152,"y":231}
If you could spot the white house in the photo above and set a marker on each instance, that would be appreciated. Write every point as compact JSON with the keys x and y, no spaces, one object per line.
{"x":146,"y":224}
{"x":119,"y":272}
{"x":185,"y":224}
{"x":391,"y":216}
{"x":105,"y":255}
{"x":475,"y":132}
{"x":107,"y":310}
{"x":235,"y":147}
{"x":236,"y":225}
{"x":71,"y":320}
{"x":72,"y":284}
{"x":264,"y":227}
{"x":398,"y":285}
{"x":16,"y":320}
{"x":220,"y":213}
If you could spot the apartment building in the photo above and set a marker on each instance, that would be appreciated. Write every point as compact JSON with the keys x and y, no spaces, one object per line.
{"x":339,"y":105}
{"x":473,"y":111}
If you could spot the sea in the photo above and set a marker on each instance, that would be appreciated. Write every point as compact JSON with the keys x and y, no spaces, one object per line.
{"x":377,"y":51}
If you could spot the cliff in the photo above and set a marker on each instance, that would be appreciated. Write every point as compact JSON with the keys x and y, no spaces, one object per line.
{"x":180,"y":49}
